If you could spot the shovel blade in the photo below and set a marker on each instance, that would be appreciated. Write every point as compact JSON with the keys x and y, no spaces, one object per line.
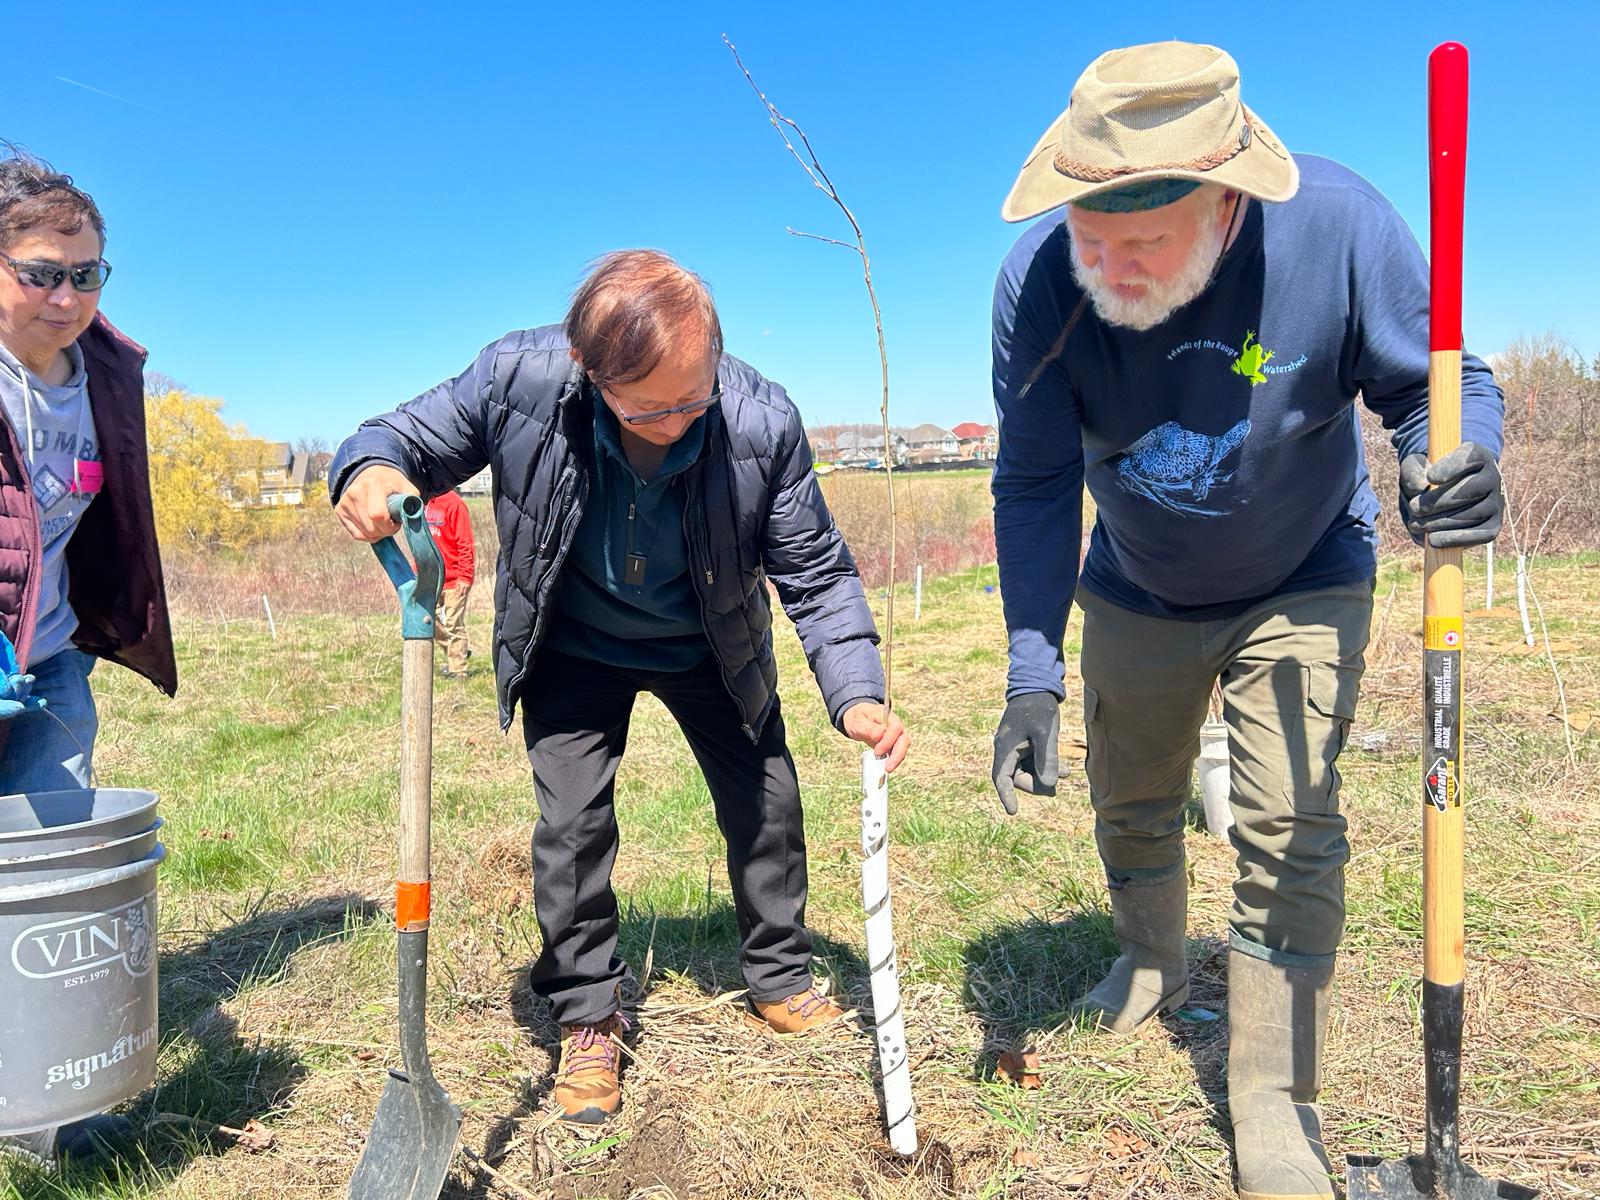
{"x":409,"y":1148}
{"x":1371,"y":1178}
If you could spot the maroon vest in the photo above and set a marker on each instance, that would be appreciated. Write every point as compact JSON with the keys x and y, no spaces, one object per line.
{"x":113,"y":563}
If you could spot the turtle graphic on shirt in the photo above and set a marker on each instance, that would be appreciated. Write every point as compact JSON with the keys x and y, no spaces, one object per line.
{"x":1177,"y":468}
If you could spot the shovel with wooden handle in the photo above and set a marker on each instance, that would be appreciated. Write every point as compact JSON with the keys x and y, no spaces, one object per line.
{"x":414,"y":1133}
{"x":1438,"y":1173}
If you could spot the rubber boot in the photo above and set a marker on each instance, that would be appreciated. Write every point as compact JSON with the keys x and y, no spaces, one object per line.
{"x":1150,"y":976}
{"x":90,"y":1140}
{"x":95,"y":1139}
{"x":1277,"y":1022}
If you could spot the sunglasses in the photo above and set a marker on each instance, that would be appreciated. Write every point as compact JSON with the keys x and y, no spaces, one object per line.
{"x":694,"y":406}
{"x":85,"y":277}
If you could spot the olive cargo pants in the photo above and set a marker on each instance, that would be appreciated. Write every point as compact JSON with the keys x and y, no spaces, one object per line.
{"x":1290,"y":670}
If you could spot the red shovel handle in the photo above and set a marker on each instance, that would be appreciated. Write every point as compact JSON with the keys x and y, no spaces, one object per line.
{"x":1443,"y":631}
{"x":1447,"y":178}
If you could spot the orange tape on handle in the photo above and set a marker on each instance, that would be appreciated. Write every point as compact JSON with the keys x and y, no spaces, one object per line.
{"x":411,"y":906}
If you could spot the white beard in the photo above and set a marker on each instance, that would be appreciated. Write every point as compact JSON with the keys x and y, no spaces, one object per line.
{"x":1162,"y":297}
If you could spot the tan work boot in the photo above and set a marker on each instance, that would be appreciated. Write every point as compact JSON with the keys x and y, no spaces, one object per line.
{"x":1151,"y":975}
{"x":1277,"y":1019}
{"x":588,"y":1082}
{"x":802,"y":1012}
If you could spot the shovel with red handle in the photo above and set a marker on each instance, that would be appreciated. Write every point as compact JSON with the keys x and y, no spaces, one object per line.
{"x":1438,"y":1172}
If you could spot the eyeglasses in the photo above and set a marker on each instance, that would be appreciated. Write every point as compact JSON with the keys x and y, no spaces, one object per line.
{"x":85,"y":277}
{"x":689,"y":409}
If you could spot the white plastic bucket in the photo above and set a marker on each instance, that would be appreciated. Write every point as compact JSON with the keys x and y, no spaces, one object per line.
{"x":77,"y":961}
{"x":33,"y":823}
{"x":1215,"y":779}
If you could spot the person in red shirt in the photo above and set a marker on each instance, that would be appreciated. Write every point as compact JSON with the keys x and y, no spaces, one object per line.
{"x":451,"y":525}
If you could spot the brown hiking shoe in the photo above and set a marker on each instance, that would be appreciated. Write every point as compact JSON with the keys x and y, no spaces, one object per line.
{"x":588,"y":1083}
{"x":802,"y":1012}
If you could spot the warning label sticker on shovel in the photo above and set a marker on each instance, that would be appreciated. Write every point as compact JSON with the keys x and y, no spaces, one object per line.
{"x":1441,"y":633}
{"x":1441,"y":783}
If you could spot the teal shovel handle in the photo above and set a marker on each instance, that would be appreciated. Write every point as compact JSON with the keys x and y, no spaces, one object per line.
{"x":418,"y":590}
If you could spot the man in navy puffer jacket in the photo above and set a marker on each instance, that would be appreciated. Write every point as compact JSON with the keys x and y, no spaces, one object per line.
{"x":646,"y":485}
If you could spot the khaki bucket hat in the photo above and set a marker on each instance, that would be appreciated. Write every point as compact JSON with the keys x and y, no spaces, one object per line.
{"x":1168,"y":110}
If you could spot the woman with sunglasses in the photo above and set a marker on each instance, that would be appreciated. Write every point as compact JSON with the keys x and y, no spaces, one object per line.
{"x":646,"y":488}
{"x":80,"y":571}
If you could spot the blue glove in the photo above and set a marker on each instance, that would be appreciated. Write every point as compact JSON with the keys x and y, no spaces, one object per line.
{"x":16,"y":689}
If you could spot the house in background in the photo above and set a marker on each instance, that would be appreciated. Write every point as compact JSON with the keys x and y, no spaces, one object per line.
{"x":931,"y":444}
{"x":978,"y":442}
{"x":854,"y":448}
{"x":281,"y":480}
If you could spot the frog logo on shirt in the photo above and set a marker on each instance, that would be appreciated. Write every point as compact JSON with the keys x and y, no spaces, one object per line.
{"x":1252,"y":357}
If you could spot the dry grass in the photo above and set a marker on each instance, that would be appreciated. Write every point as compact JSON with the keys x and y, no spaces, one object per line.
{"x":278,"y":1000}
{"x":944,"y":519}
{"x":305,"y":565}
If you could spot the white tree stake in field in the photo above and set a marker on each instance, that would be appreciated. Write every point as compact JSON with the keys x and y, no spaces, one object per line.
{"x":1522,"y":598}
{"x":887,"y":1015}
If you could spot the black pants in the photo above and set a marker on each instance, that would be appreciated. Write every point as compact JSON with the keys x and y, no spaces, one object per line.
{"x":575,"y":718}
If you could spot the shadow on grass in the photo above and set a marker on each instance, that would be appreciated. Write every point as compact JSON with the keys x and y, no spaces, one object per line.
{"x":703,"y":946}
{"x":1022,"y":977}
{"x":1202,"y":1038}
{"x":208,"y":1074}
{"x":700,"y":946}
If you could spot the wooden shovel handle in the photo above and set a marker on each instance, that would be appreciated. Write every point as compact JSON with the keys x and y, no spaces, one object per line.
{"x":418,"y":591}
{"x":412,"y":891}
{"x":1443,"y":826}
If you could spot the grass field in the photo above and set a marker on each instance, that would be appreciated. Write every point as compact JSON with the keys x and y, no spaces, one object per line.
{"x":276,"y":764}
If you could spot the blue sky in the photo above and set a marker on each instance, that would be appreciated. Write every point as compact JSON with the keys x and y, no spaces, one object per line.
{"x":317,"y":211}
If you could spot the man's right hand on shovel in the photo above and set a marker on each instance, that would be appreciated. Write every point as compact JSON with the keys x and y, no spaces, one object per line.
{"x":364,"y":508}
{"x":1025,"y":748}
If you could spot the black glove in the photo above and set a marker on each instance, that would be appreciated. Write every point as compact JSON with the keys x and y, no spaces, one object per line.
{"x":1025,"y":748}
{"x":1455,"y":502}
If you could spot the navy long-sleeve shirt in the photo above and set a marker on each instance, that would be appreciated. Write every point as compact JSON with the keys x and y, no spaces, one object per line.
{"x":1222,"y":447}
{"x":605,"y":614}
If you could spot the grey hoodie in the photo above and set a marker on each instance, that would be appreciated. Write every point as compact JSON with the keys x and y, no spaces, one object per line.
{"x":55,"y":427}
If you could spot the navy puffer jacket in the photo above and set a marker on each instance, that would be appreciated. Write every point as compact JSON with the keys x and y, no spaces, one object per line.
{"x":752,"y":512}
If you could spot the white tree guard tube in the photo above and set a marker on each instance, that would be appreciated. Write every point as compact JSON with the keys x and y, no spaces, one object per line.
{"x":887,"y":1017}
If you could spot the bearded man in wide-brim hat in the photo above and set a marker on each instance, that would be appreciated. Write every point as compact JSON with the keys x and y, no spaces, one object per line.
{"x":1186,"y":334}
